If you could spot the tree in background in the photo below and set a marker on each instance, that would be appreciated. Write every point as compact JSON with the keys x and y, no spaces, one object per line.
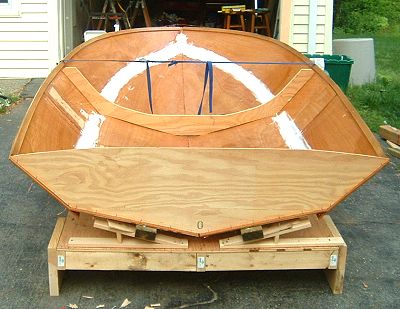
{"x":360,"y":16}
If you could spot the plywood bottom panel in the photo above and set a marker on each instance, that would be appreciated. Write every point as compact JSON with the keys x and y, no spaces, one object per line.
{"x":199,"y":191}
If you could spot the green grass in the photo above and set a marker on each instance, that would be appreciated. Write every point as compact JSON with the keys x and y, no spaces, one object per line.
{"x":379,"y":103}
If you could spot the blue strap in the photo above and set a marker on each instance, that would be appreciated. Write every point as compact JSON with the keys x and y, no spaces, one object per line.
{"x":173,"y":62}
{"x":149,"y":86}
{"x":208,"y":76}
{"x":210,"y":87}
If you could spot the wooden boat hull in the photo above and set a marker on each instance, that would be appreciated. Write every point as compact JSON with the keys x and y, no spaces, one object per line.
{"x":195,"y":174}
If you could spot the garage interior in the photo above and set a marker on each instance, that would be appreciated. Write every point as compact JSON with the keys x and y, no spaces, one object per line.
{"x":80,"y":16}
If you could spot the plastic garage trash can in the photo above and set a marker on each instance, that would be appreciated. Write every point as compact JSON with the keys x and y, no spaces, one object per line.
{"x":337,"y":66}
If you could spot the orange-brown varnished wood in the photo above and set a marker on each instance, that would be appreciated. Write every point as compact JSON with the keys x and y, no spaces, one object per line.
{"x":352,"y":140}
{"x":63,"y":134}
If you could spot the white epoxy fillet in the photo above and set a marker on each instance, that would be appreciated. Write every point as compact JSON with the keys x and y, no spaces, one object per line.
{"x":90,"y":132}
{"x":290,"y":133}
{"x":181,"y":47}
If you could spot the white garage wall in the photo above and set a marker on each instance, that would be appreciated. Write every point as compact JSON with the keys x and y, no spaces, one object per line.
{"x":312,"y":26}
{"x":29,"y":39}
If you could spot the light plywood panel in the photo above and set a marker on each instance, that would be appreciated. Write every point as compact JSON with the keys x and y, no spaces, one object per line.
{"x":198,"y":191}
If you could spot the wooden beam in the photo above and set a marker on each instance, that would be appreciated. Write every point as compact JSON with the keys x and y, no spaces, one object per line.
{"x":394,"y":152}
{"x":393,"y":145}
{"x":143,"y":234}
{"x":390,"y":133}
{"x":335,"y":277}
{"x":103,"y":242}
{"x":258,"y":234}
{"x":55,"y":274}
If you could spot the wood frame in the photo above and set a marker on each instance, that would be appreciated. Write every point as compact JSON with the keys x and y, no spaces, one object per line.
{"x":320,"y":247}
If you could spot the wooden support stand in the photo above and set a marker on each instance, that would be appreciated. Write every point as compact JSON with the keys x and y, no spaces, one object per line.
{"x":77,"y":245}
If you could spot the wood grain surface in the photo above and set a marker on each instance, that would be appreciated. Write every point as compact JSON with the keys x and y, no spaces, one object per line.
{"x":199,"y":191}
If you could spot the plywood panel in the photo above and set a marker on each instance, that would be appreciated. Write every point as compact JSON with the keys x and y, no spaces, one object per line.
{"x":52,"y":125}
{"x":198,"y":191}
{"x":336,"y":118}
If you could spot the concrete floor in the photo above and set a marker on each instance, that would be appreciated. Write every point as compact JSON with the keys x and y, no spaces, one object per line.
{"x":369,"y":221}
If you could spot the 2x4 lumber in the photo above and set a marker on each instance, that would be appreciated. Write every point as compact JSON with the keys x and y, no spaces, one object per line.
{"x":55,"y":275}
{"x":390,"y":133}
{"x":393,"y":145}
{"x":335,"y":277}
{"x":268,"y":260}
{"x":118,"y":260}
{"x":103,"y":242}
{"x":268,"y":231}
{"x":312,"y":243}
{"x":130,"y":230}
{"x":394,"y":152}
{"x":187,"y":124}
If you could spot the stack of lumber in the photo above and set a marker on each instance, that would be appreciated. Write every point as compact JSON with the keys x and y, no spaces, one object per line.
{"x":392,"y":137}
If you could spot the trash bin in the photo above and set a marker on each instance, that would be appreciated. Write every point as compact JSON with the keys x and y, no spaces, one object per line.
{"x":338,"y":68}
